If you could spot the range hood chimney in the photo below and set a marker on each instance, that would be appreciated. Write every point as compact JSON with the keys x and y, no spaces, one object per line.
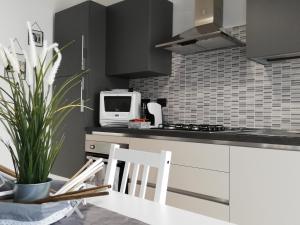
{"x":208,"y":33}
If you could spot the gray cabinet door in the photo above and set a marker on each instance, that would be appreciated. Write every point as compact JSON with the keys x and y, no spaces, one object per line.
{"x":72,"y":155}
{"x":128,"y":37}
{"x":88,"y":19}
{"x":272,"y":28}
{"x":134,"y":27}
{"x":72,"y":26}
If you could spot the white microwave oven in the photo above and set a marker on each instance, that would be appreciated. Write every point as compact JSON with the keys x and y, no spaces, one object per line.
{"x":117,"y":107}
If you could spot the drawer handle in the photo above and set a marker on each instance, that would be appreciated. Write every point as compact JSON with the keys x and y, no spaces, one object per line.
{"x":92,"y":146}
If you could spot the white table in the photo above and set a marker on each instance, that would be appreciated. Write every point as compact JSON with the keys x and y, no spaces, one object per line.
{"x":151,"y":212}
{"x":148,"y":211}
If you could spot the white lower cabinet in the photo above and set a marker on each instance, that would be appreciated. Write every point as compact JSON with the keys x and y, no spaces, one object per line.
{"x":198,"y":172}
{"x":205,"y":182}
{"x":199,"y":155}
{"x":197,"y":205}
{"x":264,"y":186}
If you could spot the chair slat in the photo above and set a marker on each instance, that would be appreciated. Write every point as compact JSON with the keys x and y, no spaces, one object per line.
{"x":134,"y":179}
{"x":144,"y":181}
{"x":125,"y":177}
{"x":162,"y":178}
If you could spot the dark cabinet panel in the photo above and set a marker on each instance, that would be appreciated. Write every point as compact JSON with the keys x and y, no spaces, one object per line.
{"x":87,"y":19}
{"x":134,"y":27}
{"x":72,"y":155}
{"x":96,"y":63}
{"x":272,"y":29}
{"x":71,"y":26}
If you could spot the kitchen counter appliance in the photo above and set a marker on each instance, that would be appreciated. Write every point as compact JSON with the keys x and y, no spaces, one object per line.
{"x":210,"y":32}
{"x":119,"y":106}
{"x":193,"y":127}
{"x":154,"y":114}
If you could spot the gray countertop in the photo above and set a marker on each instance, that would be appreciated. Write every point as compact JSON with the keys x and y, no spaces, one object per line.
{"x":260,"y":138}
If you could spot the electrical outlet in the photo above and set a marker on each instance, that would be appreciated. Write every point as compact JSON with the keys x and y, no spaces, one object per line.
{"x":162,"y":102}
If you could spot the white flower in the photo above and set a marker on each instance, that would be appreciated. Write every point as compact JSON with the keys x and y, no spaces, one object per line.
{"x":54,"y":45}
{"x":15,"y":62}
{"x":29,"y":74}
{"x":55,"y":66}
{"x":3,"y":57}
{"x":32,"y":46}
{"x":12,"y":60}
{"x":44,"y":52}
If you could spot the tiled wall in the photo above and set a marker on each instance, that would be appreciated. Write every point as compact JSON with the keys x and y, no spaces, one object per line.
{"x":224,"y":87}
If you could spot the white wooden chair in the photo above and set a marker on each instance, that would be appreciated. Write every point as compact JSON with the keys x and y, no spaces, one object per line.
{"x":161,"y":161}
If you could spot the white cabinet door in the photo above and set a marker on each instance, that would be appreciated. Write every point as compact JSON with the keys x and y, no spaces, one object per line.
{"x":196,"y":168}
{"x":264,"y":186}
{"x":197,"y":205}
{"x":199,"y":155}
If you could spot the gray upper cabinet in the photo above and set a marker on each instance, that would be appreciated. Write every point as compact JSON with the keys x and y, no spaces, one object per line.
{"x":134,"y":27}
{"x":273,"y":30}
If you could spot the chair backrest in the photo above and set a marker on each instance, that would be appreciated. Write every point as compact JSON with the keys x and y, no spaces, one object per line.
{"x":161,"y":161}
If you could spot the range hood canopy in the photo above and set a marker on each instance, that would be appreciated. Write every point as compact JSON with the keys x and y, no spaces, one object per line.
{"x":208,"y":33}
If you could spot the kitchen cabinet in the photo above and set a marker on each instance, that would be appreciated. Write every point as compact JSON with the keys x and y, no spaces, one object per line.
{"x":201,"y":206}
{"x":272,"y":30}
{"x":199,"y":175}
{"x":85,"y":24}
{"x":243,"y":185}
{"x":134,"y":27}
{"x":197,"y":155}
{"x":73,"y":128}
{"x":264,"y":186}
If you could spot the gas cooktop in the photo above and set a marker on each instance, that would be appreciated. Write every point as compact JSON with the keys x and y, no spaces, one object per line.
{"x":192,"y":127}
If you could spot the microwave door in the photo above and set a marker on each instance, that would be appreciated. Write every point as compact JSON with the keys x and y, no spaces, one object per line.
{"x":115,"y":104}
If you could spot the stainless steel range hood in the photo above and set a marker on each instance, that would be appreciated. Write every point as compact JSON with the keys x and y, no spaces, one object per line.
{"x":208,"y":33}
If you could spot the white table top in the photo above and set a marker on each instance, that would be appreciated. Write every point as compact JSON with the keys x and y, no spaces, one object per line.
{"x":151,"y":212}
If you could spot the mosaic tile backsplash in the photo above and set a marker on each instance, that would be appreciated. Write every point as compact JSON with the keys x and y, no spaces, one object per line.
{"x":224,"y":87}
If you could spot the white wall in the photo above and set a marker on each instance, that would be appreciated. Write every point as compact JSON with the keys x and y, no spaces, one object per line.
{"x":183,"y":15}
{"x":234,"y":13}
{"x":13,"y":17}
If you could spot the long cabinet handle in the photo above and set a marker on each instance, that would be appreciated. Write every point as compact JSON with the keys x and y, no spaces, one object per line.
{"x":81,"y":95}
{"x":83,"y":60}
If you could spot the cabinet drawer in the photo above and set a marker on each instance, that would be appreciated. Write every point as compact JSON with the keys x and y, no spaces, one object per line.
{"x":205,"y":182}
{"x":199,"y":181}
{"x":206,"y":156}
{"x":107,"y":138}
{"x":204,"y":207}
{"x":197,"y":205}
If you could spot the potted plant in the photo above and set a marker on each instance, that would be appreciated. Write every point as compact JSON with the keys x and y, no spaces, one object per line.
{"x":31,"y":115}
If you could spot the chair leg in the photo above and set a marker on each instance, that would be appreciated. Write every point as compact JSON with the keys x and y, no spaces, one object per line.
{"x":75,"y":209}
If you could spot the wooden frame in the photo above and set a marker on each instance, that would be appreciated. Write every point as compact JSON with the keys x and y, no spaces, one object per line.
{"x":38,"y":37}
